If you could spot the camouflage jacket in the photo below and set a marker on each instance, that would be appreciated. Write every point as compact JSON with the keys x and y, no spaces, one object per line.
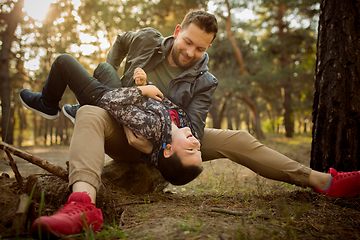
{"x":144,"y":116}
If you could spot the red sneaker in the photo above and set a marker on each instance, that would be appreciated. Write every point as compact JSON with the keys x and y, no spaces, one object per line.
{"x":70,"y":219}
{"x":343,"y":184}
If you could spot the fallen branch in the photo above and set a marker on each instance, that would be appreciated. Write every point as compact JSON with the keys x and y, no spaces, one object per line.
{"x":15,"y":169}
{"x":50,"y":167}
{"x":231,"y":212}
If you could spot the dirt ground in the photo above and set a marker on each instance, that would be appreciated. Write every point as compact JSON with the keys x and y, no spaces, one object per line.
{"x":227,"y":201}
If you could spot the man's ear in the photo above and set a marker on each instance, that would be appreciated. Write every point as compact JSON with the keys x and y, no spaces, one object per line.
{"x":177,"y":30}
{"x":168,"y":151}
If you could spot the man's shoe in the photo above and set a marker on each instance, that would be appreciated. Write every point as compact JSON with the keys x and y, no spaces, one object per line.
{"x":343,"y":184}
{"x":77,"y":214}
{"x":70,"y":111}
{"x":34,"y":102}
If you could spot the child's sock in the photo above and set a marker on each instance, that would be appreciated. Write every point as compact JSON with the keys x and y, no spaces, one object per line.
{"x":329,"y":183}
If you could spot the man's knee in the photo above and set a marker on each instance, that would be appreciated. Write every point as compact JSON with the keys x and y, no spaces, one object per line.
{"x":91,"y":114}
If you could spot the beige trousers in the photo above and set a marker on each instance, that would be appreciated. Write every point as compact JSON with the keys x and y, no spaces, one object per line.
{"x":96,"y":133}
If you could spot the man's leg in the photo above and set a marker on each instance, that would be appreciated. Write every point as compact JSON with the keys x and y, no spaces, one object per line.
{"x":95,"y":133}
{"x":242,"y":148}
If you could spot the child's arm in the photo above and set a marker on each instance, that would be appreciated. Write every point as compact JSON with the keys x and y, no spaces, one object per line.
{"x":138,"y":142}
{"x":140,"y":77}
{"x":152,"y":91}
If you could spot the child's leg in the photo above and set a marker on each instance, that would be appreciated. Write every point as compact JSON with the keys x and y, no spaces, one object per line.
{"x":67,"y":71}
{"x":107,"y":75}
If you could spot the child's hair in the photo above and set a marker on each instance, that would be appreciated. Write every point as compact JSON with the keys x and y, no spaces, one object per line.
{"x":174,"y":171}
{"x":205,"y":21}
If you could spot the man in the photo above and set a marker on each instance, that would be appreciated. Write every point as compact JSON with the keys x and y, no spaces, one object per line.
{"x":177,"y":65}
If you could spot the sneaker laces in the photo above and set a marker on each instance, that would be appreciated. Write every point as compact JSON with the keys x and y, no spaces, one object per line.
{"x":346,"y":174}
{"x":74,"y":208}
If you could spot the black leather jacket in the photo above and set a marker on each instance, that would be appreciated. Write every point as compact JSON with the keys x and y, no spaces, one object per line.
{"x":193,"y":90}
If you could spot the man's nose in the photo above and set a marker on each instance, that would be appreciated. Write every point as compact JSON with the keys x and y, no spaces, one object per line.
{"x":191,"y":52}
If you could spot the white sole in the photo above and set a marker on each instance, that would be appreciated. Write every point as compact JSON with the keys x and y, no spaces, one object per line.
{"x":68,"y":115}
{"x":44,"y":115}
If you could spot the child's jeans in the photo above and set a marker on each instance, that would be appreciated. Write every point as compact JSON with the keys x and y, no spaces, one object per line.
{"x":67,"y":71}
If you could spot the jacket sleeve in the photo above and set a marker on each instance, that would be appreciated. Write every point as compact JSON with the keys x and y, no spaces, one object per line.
{"x":200,"y":103}
{"x":120,"y":49}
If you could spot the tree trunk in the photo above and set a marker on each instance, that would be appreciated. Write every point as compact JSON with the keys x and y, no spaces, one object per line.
{"x":251,"y":104}
{"x":218,"y":117}
{"x":35,"y":128}
{"x":287,"y":87}
{"x":288,"y":113}
{"x":336,"y":109}
{"x":229,"y":119}
{"x":7,"y":120}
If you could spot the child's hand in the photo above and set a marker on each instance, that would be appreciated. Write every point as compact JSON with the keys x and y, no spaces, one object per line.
{"x":152,"y":91}
{"x":140,"y":77}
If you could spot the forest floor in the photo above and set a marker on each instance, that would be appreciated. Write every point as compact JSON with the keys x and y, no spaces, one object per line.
{"x":227,"y":201}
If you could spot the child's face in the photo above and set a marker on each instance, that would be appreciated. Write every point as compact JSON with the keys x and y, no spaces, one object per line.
{"x":186,"y":146}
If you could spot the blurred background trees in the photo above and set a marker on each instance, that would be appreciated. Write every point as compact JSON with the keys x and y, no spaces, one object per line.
{"x":275,"y":39}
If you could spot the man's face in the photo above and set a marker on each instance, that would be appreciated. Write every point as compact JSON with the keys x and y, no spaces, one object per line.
{"x":189,"y":46}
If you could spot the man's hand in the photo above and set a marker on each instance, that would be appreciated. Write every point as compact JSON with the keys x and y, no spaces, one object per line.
{"x":138,"y":142}
{"x":152,"y":91}
{"x":140,"y":77}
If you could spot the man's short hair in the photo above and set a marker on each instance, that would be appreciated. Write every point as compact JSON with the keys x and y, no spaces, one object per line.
{"x":205,"y":21}
{"x":174,"y":171}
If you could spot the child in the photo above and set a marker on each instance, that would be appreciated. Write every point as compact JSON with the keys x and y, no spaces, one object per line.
{"x":176,"y":148}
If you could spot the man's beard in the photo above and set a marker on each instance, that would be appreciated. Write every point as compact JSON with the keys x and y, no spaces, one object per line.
{"x":176,"y":58}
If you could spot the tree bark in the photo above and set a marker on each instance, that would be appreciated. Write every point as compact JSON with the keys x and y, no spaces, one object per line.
{"x":336,"y":109}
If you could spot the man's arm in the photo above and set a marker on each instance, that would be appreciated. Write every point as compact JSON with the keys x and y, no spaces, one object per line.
{"x":120,"y":49}
{"x":201,"y":102}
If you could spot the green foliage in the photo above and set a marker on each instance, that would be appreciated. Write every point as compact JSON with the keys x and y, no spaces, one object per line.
{"x":264,"y":50}
{"x":70,"y":28}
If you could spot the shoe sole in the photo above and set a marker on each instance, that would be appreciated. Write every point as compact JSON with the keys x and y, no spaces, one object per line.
{"x":44,"y":115}
{"x":68,"y":115}
{"x":43,"y":232}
